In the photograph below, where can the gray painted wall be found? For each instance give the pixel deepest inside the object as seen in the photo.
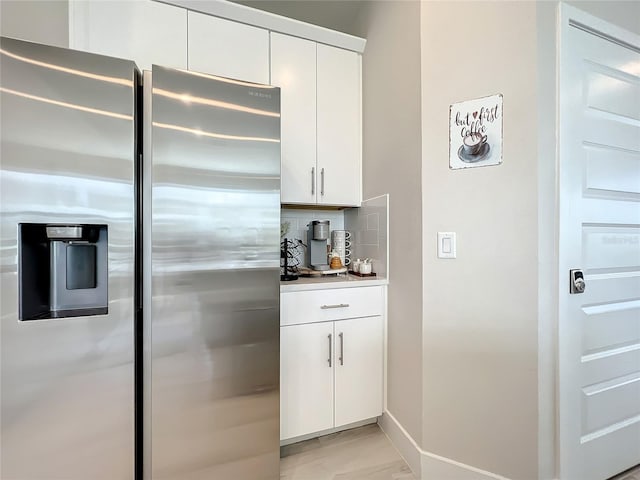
(392, 164)
(37, 21)
(480, 310)
(489, 352)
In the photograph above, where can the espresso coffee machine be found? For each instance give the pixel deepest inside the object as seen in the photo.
(317, 245)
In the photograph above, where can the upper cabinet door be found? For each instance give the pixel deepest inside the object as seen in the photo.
(293, 69)
(143, 31)
(339, 119)
(228, 49)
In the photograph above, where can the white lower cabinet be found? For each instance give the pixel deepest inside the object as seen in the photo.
(331, 371)
(358, 371)
(306, 379)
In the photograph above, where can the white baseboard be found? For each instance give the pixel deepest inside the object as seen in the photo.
(442, 468)
(403, 442)
(426, 465)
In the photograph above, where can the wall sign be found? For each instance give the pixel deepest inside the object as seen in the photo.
(475, 132)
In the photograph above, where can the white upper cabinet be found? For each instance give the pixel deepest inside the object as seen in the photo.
(320, 85)
(339, 118)
(143, 31)
(228, 49)
(321, 116)
(293, 69)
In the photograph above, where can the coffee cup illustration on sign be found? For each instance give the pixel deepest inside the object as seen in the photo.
(473, 144)
(474, 147)
(475, 132)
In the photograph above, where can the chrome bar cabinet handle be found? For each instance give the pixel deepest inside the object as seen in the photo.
(341, 348)
(322, 182)
(313, 180)
(338, 305)
(329, 359)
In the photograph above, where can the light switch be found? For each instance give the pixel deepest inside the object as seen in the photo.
(446, 245)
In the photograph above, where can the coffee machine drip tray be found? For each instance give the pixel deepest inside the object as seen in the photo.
(321, 267)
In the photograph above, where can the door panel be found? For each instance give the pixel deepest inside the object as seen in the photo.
(607, 246)
(612, 170)
(339, 118)
(144, 31)
(67, 157)
(293, 69)
(214, 309)
(228, 49)
(623, 392)
(611, 91)
(306, 378)
(599, 222)
(358, 369)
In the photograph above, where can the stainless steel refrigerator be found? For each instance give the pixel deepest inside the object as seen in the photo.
(139, 267)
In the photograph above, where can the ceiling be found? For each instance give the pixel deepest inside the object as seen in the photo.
(340, 15)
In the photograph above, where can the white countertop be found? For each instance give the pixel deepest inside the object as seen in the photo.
(330, 281)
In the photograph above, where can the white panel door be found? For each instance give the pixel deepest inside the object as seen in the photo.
(228, 49)
(359, 366)
(306, 379)
(339, 118)
(599, 222)
(293, 69)
(143, 31)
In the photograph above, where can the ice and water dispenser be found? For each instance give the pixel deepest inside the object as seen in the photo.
(63, 270)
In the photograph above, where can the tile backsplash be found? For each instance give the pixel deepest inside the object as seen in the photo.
(369, 232)
(368, 226)
(298, 220)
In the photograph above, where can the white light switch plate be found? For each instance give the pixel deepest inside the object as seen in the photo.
(446, 244)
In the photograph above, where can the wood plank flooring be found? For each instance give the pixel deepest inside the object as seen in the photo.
(363, 453)
(633, 474)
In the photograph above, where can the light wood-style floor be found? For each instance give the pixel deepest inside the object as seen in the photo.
(363, 453)
(633, 474)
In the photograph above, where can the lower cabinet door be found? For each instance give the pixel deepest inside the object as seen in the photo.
(359, 366)
(306, 378)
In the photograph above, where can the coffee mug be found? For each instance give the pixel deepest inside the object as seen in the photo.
(473, 143)
(341, 234)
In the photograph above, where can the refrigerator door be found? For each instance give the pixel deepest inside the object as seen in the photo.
(67, 150)
(215, 194)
